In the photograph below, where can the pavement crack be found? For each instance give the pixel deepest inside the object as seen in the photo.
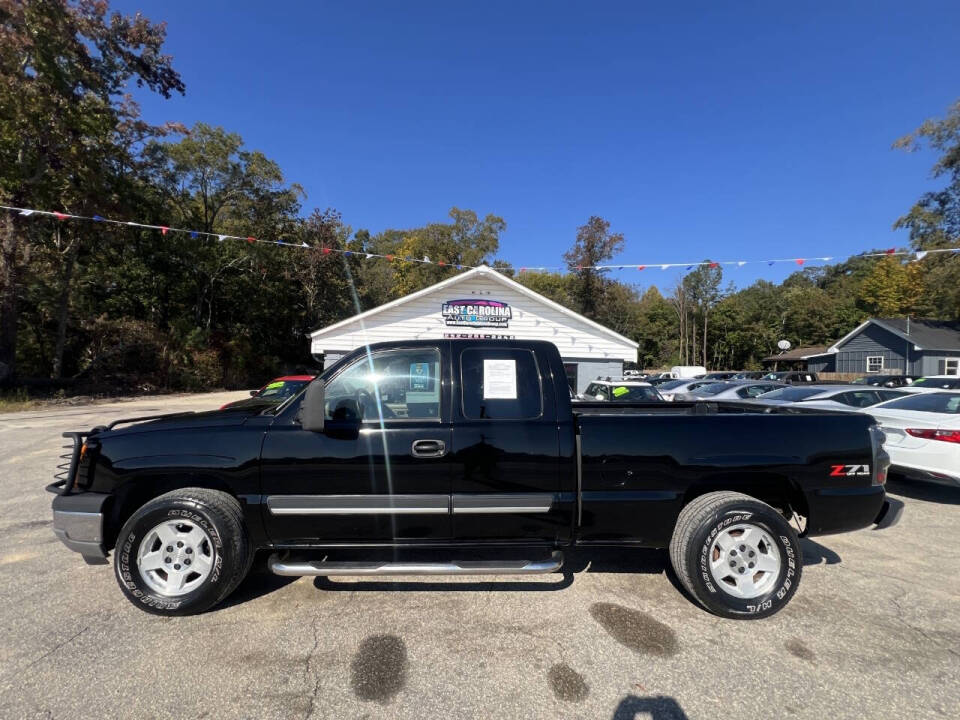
(49, 652)
(900, 616)
(306, 669)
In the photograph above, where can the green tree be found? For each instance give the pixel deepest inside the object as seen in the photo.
(595, 245)
(892, 289)
(63, 68)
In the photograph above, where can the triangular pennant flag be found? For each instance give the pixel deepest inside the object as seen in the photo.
(523, 269)
(426, 259)
(251, 240)
(26, 213)
(193, 234)
(741, 263)
(441, 263)
(459, 267)
(689, 267)
(799, 261)
(826, 259)
(713, 264)
(921, 254)
(771, 262)
(389, 258)
(347, 253)
(164, 229)
(60, 216)
(641, 267)
(325, 251)
(221, 237)
(369, 255)
(664, 267)
(97, 218)
(891, 251)
(303, 244)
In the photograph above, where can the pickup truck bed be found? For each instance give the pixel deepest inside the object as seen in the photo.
(467, 445)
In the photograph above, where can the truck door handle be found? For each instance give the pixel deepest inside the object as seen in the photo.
(428, 448)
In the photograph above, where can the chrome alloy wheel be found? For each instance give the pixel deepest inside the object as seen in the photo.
(744, 561)
(175, 557)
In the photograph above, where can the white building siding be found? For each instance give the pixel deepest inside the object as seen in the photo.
(533, 318)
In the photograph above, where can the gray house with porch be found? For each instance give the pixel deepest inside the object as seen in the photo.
(894, 346)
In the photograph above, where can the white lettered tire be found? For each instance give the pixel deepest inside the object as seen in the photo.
(183, 552)
(736, 555)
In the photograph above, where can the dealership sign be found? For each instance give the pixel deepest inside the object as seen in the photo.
(476, 313)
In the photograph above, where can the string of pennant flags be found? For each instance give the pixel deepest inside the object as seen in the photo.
(221, 237)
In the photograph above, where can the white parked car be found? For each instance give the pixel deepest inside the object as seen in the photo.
(620, 391)
(922, 435)
(688, 371)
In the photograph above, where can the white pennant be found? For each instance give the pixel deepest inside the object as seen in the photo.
(26, 213)
(921, 254)
(221, 237)
(664, 267)
(369, 255)
(741, 263)
(303, 244)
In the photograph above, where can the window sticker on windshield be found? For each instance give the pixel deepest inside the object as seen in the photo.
(620, 391)
(274, 385)
(499, 379)
(419, 376)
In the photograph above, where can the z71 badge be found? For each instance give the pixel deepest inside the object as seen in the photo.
(848, 470)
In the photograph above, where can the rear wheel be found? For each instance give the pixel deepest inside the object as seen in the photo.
(736, 555)
(183, 552)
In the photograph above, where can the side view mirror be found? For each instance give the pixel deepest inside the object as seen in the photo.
(253, 393)
(313, 408)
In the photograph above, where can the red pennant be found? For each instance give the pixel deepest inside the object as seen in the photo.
(641, 267)
(523, 269)
(326, 251)
(441, 263)
(390, 258)
(164, 229)
(799, 261)
(251, 240)
(60, 216)
(891, 251)
(713, 265)
(579, 267)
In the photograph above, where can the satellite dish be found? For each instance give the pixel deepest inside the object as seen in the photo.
(784, 344)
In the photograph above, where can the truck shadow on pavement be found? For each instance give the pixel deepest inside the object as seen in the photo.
(920, 490)
(656, 707)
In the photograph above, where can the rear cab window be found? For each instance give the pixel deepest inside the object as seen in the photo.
(500, 384)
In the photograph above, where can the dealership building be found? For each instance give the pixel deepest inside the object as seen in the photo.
(483, 303)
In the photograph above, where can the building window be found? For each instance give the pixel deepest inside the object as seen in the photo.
(875, 363)
(951, 366)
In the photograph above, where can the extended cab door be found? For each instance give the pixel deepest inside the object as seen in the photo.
(387, 481)
(506, 458)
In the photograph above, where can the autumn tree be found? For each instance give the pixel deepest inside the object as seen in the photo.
(892, 289)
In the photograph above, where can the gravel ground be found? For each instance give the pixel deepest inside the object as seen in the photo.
(874, 630)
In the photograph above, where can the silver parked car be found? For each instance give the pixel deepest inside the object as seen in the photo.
(830, 397)
(670, 389)
(732, 390)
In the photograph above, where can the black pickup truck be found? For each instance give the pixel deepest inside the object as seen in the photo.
(471, 450)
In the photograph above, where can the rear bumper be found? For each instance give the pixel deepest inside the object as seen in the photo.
(78, 523)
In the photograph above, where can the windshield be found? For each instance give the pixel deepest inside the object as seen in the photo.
(282, 389)
(945, 383)
(713, 388)
(928, 402)
(633, 393)
(671, 384)
(792, 394)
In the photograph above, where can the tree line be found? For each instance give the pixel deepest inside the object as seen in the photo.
(94, 306)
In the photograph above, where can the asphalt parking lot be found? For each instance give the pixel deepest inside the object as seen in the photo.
(874, 630)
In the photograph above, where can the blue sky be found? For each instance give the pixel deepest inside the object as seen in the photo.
(723, 130)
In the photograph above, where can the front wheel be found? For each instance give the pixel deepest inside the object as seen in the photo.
(183, 552)
(736, 555)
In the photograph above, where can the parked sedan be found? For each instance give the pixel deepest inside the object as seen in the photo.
(922, 435)
(722, 375)
(792, 376)
(620, 391)
(830, 397)
(274, 392)
(936, 382)
(748, 375)
(669, 390)
(886, 380)
(732, 390)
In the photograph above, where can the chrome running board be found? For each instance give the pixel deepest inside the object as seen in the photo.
(298, 568)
